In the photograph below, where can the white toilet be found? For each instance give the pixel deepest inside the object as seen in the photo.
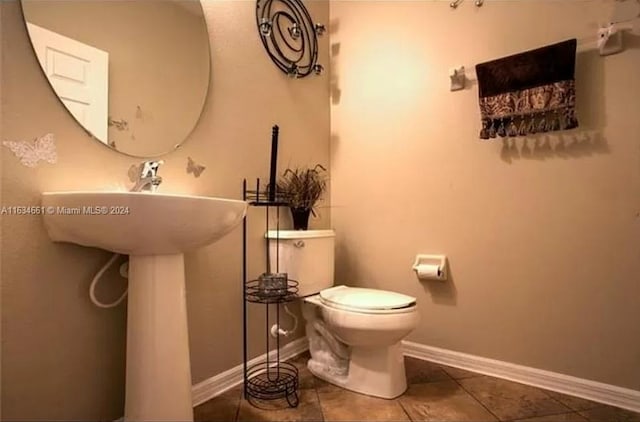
(354, 333)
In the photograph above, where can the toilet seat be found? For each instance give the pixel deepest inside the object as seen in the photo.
(369, 301)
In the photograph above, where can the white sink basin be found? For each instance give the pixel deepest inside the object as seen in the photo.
(137, 223)
(155, 230)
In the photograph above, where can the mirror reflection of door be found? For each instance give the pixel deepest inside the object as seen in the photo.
(158, 67)
(79, 73)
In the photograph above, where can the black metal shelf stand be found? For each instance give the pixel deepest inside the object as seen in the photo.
(271, 379)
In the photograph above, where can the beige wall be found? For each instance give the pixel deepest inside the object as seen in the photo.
(63, 358)
(1, 134)
(543, 240)
(150, 44)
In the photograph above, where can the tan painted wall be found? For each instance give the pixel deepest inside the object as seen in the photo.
(1, 133)
(150, 44)
(543, 240)
(62, 357)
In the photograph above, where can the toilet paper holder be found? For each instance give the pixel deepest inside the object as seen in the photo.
(430, 267)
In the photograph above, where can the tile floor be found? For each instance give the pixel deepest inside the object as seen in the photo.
(436, 393)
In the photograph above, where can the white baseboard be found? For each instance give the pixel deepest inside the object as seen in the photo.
(579, 387)
(218, 384)
(590, 390)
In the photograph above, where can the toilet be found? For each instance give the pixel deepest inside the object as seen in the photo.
(354, 333)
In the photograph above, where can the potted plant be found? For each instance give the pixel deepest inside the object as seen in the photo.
(301, 188)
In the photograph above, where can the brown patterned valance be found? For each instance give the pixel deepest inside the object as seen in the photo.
(529, 92)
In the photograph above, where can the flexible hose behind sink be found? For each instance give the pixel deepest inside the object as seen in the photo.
(276, 330)
(124, 269)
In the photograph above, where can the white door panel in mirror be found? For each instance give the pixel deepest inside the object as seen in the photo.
(79, 74)
(155, 51)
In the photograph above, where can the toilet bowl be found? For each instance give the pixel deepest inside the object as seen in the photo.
(372, 332)
(354, 333)
(364, 324)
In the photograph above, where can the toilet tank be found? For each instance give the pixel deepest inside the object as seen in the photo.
(307, 256)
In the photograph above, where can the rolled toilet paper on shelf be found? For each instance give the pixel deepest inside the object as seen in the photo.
(428, 271)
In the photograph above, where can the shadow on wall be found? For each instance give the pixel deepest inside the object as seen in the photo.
(334, 145)
(349, 274)
(442, 292)
(574, 145)
(631, 41)
(584, 141)
(334, 86)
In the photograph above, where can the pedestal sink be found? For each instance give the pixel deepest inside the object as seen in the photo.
(155, 230)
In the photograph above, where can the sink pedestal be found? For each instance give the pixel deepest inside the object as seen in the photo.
(154, 229)
(158, 386)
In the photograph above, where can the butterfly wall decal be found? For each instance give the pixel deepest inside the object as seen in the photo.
(193, 168)
(31, 152)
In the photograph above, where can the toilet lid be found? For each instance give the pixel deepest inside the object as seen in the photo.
(365, 299)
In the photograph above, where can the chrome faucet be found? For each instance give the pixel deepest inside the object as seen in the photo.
(148, 179)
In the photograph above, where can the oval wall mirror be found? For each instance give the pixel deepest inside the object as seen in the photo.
(133, 73)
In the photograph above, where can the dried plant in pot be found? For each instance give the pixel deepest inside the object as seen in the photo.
(302, 188)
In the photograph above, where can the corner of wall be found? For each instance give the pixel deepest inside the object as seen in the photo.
(1, 120)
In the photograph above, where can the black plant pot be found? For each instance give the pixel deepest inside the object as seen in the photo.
(300, 218)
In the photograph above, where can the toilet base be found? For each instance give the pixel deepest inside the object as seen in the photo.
(374, 371)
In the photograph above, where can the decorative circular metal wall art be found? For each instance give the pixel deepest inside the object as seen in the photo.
(289, 36)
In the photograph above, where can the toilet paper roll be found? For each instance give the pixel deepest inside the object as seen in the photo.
(428, 271)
